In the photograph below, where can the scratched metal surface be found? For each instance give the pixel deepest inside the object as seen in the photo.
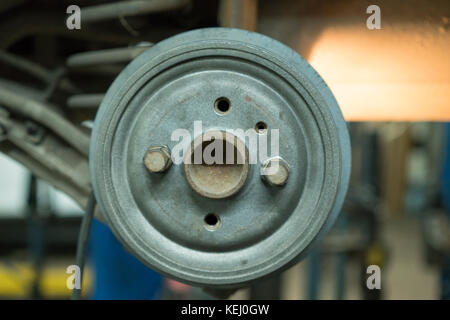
(159, 218)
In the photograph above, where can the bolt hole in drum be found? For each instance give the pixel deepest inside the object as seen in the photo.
(199, 221)
(261, 127)
(212, 221)
(222, 105)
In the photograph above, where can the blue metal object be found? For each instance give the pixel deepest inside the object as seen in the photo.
(341, 258)
(313, 274)
(117, 274)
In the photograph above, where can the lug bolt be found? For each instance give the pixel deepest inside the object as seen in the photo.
(157, 159)
(275, 172)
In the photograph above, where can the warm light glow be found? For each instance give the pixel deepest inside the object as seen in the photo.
(393, 74)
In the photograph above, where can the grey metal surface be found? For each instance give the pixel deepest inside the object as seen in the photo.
(263, 229)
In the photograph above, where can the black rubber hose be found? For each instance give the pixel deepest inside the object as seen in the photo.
(82, 242)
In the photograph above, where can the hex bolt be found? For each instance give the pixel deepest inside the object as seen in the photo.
(157, 159)
(275, 172)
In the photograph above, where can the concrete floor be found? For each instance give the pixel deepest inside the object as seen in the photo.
(407, 274)
(404, 276)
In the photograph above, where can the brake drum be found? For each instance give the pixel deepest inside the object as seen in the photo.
(218, 225)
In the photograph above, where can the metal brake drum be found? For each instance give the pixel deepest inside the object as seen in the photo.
(219, 225)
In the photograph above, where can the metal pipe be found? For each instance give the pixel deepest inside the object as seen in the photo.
(21, 89)
(25, 65)
(128, 8)
(85, 100)
(43, 114)
(30, 23)
(108, 56)
(59, 182)
(57, 158)
(37, 71)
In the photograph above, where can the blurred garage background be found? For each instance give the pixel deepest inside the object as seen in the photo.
(393, 86)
